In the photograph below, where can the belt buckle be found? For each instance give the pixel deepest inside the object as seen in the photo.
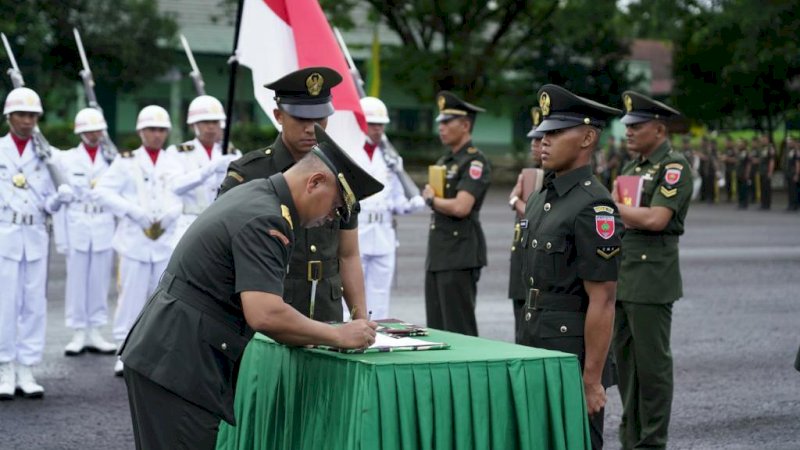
(533, 299)
(314, 270)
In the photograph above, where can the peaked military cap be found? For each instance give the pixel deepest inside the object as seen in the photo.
(451, 107)
(536, 119)
(641, 108)
(306, 93)
(563, 109)
(354, 182)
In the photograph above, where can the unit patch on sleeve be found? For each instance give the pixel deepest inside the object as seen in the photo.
(475, 170)
(604, 225)
(672, 176)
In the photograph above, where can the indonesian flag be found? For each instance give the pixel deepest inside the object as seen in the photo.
(277, 37)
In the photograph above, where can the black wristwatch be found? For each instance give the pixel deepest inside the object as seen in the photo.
(429, 202)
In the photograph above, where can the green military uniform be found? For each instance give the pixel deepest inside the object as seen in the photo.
(570, 234)
(649, 283)
(766, 156)
(316, 250)
(457, 246)
(516, 288)
(730, 172)
(182, 354)
(744, 177)
(314, 247)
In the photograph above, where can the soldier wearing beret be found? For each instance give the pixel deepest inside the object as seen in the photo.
(650, 278)
(571, 244)
(517, 199)
(225, 281)
(326, 265)
(456, 244)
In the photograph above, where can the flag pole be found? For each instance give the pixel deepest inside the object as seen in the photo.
(234, 62)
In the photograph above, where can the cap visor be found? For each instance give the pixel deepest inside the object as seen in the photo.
(556, 124)
(632, 119)
(446, 117)
(308, 111)
(533, 134)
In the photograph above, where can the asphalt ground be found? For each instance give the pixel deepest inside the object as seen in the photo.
(735, 336)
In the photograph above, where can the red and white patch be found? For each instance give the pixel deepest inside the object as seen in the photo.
(475, 170)
(671, 176)
(604, 225)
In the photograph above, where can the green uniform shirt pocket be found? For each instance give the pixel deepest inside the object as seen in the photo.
(563, 331)
(649, 274)
(222, 338)
(550, 261)
(337, 288)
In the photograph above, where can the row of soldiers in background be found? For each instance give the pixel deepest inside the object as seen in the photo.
(742, 170)
(136, 203)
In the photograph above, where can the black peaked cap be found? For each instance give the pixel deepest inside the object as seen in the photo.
(563, 109)
(354, 182)
(306, 93)
(450, 107)
(641, 108)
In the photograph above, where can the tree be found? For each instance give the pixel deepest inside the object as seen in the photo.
(740, 58)
(128, 43)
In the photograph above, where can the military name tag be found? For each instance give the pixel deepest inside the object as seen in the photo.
(523, 224)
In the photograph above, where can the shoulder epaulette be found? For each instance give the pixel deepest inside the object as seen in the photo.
(185, 147)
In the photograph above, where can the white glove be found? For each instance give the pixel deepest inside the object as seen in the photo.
(416, 203)
(168, 218)
(65, 194)
(219, 165)
(141, 218)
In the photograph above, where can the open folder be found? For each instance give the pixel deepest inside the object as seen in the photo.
(387, 343)
(436, 177)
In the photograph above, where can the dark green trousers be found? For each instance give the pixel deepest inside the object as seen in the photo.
(165, 421)
(797, 361)
(519, 305)
(450, 300)
(644, 364)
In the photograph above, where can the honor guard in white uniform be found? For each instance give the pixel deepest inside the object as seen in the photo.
(137, 188)
(201, 159)
(27, 196)
(377, 240)
(88, 229)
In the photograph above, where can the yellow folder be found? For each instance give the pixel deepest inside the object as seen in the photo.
(436, 179)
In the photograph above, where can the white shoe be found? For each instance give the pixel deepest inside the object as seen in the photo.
(118, 368)
(77, 345)
(96, 343)
(27, 384)
(7, 381)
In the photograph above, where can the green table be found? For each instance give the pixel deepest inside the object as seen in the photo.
(479, 394)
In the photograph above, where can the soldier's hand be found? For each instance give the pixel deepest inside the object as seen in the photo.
(595, 397)
(517, 191)
(427, 192)
(615, 193)
(356, 334)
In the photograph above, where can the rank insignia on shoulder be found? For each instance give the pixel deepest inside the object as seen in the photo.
(523, 224)
(668, 192)
(604, 209)
(280, 236)
(235, 176)
(287, 215)
(185, 147)
(608, 252)
(472, 150)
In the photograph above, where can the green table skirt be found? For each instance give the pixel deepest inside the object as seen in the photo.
(479, 394)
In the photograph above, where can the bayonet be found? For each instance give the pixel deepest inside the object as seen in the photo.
(13, 72)
(197, 77)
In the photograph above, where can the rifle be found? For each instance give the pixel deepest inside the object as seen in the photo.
(41, 147)
(197, 77)
(390, 155)
(107, 147)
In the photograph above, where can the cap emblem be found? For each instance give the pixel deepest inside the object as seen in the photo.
(536, 115)
(441, 102)
(314, 84)
(628, 103)
(544, 103)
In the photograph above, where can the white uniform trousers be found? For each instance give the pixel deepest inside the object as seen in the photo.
(88, 282)
(378, 274)
(23, 310)
(138, 280)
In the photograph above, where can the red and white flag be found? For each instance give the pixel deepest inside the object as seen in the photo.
(277, 37)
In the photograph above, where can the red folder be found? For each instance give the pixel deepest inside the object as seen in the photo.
(629, 189)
